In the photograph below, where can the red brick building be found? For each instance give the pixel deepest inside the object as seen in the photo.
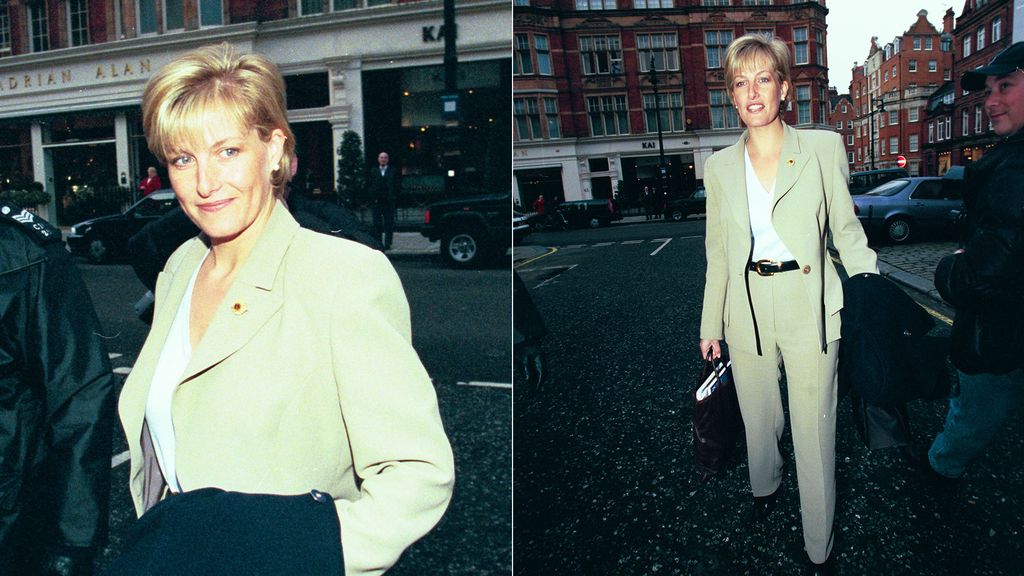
(843, 116)
(585, 111)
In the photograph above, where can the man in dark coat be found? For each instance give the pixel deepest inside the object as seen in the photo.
(56, 406)
(384, 187)
(984, 280)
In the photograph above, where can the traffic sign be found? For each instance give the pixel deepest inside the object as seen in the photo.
(901, 161)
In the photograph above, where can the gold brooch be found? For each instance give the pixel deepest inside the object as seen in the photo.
(239, 308)
(790, 162)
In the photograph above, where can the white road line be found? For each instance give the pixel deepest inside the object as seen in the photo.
(555, 276)
(664, 242)
(486, 384)
(632, 241)
(575, 246)
(604, 244)
(113, 355)
(119, 459)
(123, 370)
(690, 237)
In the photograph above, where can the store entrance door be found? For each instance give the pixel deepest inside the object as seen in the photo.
(84, 179)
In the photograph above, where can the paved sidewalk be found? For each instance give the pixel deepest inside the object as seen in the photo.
(913, 265)
(408, 244)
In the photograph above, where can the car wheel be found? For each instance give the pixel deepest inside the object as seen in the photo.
(99, 250)
(898, 230)
(677, 215)
(463, 248)
(595, 222)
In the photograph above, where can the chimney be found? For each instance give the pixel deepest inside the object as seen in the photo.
(947, 21)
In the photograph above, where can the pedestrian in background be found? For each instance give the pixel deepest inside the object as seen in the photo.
(151, 183)
(384, 189)
(771, 289)
(57, 408)
(279, 363)
(984, 280)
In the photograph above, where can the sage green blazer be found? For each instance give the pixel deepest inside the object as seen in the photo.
(811, 200)
(306, 378)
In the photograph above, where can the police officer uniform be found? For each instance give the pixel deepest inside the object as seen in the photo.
(56, 406)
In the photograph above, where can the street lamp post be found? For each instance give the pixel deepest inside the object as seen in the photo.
(653, 73)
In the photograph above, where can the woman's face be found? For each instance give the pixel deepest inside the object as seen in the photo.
(221, 177)
(758, 94)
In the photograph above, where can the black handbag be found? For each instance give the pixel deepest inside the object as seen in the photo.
(716, 417)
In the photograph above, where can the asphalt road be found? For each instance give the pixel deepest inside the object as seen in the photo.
(462, 332)
(605, 481)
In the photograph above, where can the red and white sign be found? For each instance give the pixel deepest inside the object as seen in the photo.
(901, 161)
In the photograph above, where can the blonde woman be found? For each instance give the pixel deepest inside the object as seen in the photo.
(771, 290)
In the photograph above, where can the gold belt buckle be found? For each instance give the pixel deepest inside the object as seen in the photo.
(757, 267)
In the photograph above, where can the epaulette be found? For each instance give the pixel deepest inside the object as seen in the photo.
(40, 230)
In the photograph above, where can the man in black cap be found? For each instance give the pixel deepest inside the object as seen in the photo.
(984, 280)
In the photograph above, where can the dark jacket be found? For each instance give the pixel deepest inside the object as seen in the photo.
(985, 283)
(56, 396)
(383, 189)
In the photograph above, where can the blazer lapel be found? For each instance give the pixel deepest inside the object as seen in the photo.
(791, 163)
(251, 300)
(734, 183)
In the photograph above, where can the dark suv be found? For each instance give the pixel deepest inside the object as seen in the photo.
(472, 230)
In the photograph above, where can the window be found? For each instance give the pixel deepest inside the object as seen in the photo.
(917, 43)
(997, 29)
(601, 54)
(595, 4)
(803, 104)
(894, 145)
(671, 105)
(819, 48)
(722, 114)
(607, 115)
(977, 119)
(757, 2)
(518, 3)
(912, 115)
(652, 3)
(839, 124)
(946, 74)
(948, 129)
(662, 47)
(849, 157)
(881, 148)
(534, 122)
(849, 139)
(5, 29)
(965, 122)
(78, 22)
(715, 42)
(551, 117)
(211, 13)
(307, 7)
(714, 2)
(174, 14)
(894, 71)
(967, 47)
(886, 76)
(849, 124)
(894, 117)
(844, 108)
(821, 103)
(913, 66)
(523, 61)
(981, 38)
(146, 9)
(800, 46)
(933, 66)
(39, 27)
(928, 43)
(912, 145)
(931, 132)
(540, 44)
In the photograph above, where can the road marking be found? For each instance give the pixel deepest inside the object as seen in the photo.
(942, 317)
(604, 244)
(119, 459)
(123, 370)
(690, 237)
(113, 355)
(555, 276)
(575, 246)
(632, 241)
(548, 253)
(486, 384)
(664, 242)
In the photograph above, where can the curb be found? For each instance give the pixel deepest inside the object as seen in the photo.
(908, 280)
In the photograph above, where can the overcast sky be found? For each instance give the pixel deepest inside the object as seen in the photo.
(852, 23)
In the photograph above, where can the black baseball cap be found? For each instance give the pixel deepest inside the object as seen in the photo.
(1007, 61)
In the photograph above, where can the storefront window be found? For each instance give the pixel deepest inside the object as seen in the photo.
(210, 13)
(346, 4)
(174, 15)
(311, 7)
(146, 9)
(307, 91)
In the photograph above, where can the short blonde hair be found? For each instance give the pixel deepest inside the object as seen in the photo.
(247, 87)
(746, 51)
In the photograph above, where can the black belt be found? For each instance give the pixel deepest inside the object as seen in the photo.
(770, 267)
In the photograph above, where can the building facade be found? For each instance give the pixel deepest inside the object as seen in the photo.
(957, 126)
(586, 108)
(843, 117)
(890, 93)
(72, 74)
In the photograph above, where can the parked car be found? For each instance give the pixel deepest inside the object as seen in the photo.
(861, 182)
(106, 237)
(472, 230)
(903, 208)
(583, 213)
(681, 208)
(521, 226)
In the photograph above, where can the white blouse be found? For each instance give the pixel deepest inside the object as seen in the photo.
(174, 359)
(767, 244)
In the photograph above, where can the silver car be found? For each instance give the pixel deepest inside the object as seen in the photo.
(906, 208)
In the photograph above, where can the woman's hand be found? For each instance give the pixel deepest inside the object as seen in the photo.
(714, 347)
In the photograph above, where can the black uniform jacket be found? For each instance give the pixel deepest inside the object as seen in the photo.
(56, 394)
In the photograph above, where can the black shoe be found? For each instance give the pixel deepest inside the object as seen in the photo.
(763, 505)
(827, 568)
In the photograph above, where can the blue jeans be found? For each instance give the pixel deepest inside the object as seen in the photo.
(974, 419)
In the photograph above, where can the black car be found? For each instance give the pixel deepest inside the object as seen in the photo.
(681, 208)
(106, 237)
(582, 213)
(472, 230)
